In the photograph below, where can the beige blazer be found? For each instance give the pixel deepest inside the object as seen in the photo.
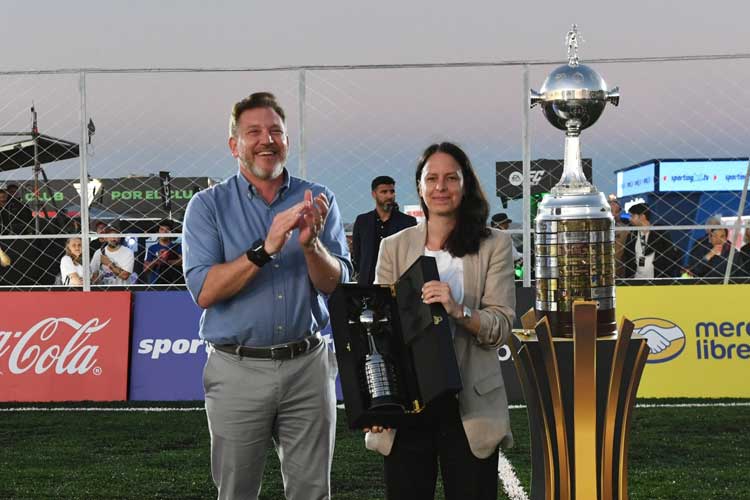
(488, 287)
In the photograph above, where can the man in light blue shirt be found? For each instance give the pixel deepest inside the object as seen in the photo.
(262, 250)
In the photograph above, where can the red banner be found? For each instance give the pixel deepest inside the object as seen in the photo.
(64, 346)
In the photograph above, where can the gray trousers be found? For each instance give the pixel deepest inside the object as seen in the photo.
(251, 403)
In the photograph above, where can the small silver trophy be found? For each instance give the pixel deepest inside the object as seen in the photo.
(379, 373)
(574, 227)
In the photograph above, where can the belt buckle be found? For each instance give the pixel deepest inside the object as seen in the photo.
(279, 349)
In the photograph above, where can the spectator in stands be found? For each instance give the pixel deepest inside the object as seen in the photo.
(18, 216)
(621, 237)
(714, 263)
(5, 213)
(113, 264)
(744, 255)
(371, 227)
(648, 253)
(5, 259)
(71, 265)
(502, 222)
(702, 246)
(164, 258)
(101, 228)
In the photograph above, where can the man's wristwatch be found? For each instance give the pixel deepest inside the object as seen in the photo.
(466, 315)
(257, 254)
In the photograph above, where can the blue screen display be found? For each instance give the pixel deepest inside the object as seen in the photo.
(719, 175)
(636, 180)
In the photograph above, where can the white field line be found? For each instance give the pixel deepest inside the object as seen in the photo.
(511, 484)
(146, 409)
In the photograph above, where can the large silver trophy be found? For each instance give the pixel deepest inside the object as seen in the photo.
(380, 375)
(574, 237)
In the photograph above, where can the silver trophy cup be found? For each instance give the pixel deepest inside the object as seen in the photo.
(380, 374)
(574, 228)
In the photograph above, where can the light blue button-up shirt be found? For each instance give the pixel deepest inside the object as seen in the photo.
(280, 304)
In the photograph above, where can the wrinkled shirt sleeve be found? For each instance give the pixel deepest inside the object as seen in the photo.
(334, 238)
(202, 247)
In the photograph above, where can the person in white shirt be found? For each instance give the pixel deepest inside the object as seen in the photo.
(648, 253)
(71, 266)
(113, 264)
(459, 432)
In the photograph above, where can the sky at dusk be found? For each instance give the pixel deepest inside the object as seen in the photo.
(366, 122)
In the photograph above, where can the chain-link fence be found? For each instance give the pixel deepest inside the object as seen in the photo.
(121, 152)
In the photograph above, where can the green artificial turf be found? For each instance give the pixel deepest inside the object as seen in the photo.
(675, 453)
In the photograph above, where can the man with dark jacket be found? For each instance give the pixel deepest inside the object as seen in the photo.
(371, 227)
(648, 254)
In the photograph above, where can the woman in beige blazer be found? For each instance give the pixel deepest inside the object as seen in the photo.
(477, 290)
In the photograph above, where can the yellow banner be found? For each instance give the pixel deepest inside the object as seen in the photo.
(698, 335)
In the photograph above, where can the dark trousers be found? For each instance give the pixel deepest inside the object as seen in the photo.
(438, 439)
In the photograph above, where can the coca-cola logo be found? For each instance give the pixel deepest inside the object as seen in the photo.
(41, 348)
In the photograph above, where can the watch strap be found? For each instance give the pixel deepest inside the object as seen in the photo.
(257, 254)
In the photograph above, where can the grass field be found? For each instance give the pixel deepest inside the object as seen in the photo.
(676, 452)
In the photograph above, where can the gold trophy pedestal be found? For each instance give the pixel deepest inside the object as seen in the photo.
(580, 394)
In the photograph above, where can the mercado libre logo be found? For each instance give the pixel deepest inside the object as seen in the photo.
(665, 339)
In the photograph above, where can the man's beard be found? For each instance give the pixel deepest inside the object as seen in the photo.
(388, 206)
(262, 174)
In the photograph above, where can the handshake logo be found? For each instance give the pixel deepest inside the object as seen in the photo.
(665, 339)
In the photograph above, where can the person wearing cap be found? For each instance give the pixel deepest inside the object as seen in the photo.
(502, 222)
(164, 258)
(113, 263)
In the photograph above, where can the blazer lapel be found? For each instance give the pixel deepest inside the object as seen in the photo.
(416, 244)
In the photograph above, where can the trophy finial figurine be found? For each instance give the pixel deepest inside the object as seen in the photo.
(571, 40)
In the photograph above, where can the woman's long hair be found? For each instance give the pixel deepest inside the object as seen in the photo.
(471, 219)
(76, 260)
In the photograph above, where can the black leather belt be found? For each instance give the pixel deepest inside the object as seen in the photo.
(277, 352)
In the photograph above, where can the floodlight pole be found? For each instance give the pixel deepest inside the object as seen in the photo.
(37, 166)
(84, 191)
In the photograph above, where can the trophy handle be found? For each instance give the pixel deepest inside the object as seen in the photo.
(613, 96)
(534, 98)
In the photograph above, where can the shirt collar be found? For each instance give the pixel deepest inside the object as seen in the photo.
(247, 186)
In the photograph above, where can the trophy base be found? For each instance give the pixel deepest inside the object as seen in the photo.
(384, 403)
(561, 322)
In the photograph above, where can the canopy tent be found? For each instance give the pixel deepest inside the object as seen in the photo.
(22, 154)
(34, 152)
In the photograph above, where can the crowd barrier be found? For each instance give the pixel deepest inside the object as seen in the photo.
(144, 346)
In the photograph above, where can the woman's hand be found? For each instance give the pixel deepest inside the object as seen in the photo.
(440, 292)
(376, 429)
